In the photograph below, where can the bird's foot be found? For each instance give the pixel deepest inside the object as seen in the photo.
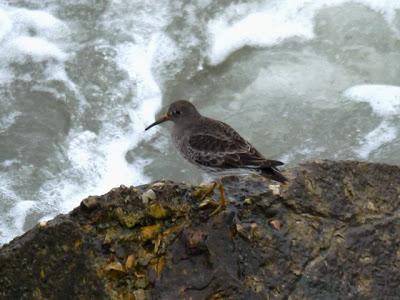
(207, 202)
(219, 209)
(204, 191)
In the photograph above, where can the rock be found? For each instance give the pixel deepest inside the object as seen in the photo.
(332, 232)
(247, 201)
(275, 188)
(150, 232)
(89, 203)
(42, 224)
(130, 262)
(115, 266)
(140, 294)
(148, 196)
(158, 185)
(128, 218)
(276, 224)
(49, 263)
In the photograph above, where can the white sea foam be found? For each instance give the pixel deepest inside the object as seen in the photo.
(385, 103)
(30, 34)
(381, 135)
(99, 160)
(8, 120)
(13, 222)
(38, 23)
(25, 36)
(37, 48)
(383, 99)
(8, 226)
(19, 212)
(5, 24)
(7, 163)
(97, 164)
(262, 25)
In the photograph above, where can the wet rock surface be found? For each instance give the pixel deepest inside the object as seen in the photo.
(333, 232)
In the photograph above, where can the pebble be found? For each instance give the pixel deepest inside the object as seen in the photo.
(248, 201)
(149, 195)
(89, 203)
(158, 185)
(140, 294)
(275, 188)
(42, 223)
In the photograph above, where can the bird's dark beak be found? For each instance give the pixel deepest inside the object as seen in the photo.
(159, 121)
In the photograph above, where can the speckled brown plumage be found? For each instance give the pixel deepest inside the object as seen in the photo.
(214, 146)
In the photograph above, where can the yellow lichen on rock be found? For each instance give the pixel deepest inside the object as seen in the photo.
(130, 262)
(115, 267)
(150, 232)
(127, 219)
(157, 211)
(158, 265)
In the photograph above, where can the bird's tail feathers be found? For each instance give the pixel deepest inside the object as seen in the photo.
(273, 174)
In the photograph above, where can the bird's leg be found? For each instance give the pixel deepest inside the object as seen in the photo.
(222, 200)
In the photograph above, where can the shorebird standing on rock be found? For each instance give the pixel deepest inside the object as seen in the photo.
(215, 147)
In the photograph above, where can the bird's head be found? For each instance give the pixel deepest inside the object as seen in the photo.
(178, 111)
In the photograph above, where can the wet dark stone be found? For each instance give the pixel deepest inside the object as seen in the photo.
(333, 232)
(49, 262)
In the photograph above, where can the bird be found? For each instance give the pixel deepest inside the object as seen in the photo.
(215, 147)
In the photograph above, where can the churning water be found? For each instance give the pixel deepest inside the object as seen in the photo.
(80, 80)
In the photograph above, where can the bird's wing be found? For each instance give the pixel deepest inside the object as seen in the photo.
(226, 150)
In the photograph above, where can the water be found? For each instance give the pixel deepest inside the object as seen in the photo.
(80, 80)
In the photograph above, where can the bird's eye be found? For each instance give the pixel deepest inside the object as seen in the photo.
(177, 112)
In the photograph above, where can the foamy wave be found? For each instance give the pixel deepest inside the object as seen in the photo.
(10, 222)
(385, 103)
(383, 99)
(25, 36)
(92, 161)
(36, 48)
(13, 222)
(98, 161)
(7, 120)
(30, 34)
(37, 22)
(5, 24)
(274, 22)
(97, 164)
(381, 135)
